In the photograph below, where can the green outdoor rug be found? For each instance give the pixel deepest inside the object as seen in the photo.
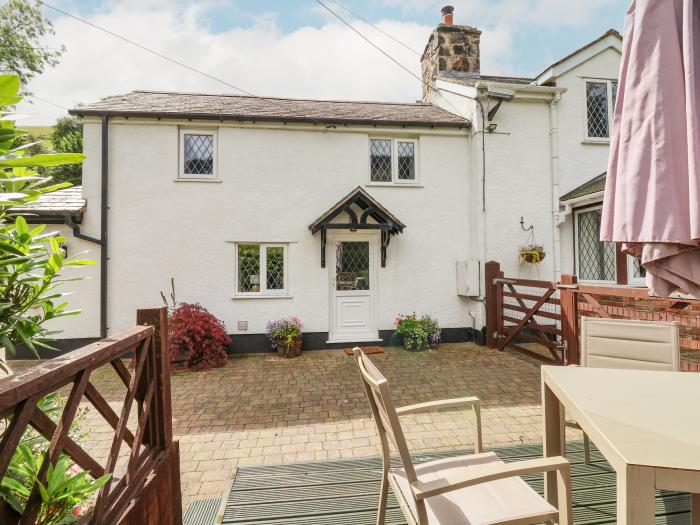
(345, 492)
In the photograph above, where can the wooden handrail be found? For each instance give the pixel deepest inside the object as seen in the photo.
(152, 451)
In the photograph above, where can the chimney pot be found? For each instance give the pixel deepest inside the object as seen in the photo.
(447, 15)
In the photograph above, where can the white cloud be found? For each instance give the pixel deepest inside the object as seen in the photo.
(313, 62)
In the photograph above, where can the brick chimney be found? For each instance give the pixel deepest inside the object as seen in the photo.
(452, 50)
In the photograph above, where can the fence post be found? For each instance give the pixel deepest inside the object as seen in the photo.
(492, 270)
(158, 318)
(569, 319)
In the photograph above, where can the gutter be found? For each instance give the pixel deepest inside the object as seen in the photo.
(269, 118)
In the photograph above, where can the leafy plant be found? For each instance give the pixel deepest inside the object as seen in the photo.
(198, 337)
(284, 330)
(432, 328)
(23, 30)
(418, 334)
(31, 260)
(67, 137)
(63, 491)
(532, 253)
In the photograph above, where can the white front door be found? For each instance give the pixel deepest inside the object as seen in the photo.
(353, 273)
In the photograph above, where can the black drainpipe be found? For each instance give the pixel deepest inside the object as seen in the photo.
(103, 224)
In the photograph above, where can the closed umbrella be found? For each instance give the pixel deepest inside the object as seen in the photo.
(652, 192)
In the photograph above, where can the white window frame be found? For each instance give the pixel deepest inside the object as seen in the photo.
(193, 176)
(631, 279)
(577, 251)
(395, 181)
(609, 82)
(264, 292)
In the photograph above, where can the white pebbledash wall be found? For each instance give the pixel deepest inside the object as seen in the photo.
(274, 181)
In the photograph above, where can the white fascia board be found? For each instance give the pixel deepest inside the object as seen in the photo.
(583, 200)
(579, 58)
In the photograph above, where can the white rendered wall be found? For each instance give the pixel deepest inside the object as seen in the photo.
(274, 183)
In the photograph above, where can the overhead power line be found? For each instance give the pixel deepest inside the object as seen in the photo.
(376, 27)
(47, 101)
(387, 55)
(172, 60)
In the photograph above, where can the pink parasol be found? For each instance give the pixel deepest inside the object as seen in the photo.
(652, 193)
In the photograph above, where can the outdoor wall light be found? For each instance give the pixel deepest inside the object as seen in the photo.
(491, 127)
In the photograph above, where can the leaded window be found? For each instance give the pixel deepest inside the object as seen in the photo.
(596, 260)
(198, 154)
(601, 96)
(352, 265)
(380, 160)
(261, 269)
(393, 160)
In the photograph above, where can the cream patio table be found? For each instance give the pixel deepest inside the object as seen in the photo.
(645, 423)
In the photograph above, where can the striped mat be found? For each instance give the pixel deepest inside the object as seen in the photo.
(345, 492)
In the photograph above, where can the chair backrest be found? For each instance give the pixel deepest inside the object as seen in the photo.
(385, 416)
(624, 343)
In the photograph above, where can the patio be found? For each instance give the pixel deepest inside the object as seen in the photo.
(259, 409)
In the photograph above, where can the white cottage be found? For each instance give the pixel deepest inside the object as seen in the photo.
(345, 213)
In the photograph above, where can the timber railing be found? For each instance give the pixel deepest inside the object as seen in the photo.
(144, 484)
(522, 311)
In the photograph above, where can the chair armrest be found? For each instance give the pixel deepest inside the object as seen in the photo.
(442, 403)
(490, 472)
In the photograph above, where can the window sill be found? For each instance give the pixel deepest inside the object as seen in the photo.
(395, 184)
(596, 141)
(260, 296)
(195, 179)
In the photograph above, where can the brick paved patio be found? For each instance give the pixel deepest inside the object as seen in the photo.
(261, 409)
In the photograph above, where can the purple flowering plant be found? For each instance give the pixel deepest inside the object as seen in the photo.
(283, 329)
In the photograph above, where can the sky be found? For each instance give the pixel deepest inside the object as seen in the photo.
(294, 48)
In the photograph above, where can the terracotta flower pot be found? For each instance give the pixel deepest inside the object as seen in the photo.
(294, 349)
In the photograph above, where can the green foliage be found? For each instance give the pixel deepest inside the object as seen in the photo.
(67, 137)
(63, 491)
(65, 487)
(23, 29)
(31, 260)
(418, 334)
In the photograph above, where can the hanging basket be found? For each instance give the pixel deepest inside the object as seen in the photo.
(532, 256)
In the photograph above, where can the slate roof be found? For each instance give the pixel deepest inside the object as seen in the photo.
(160, 104)
(594, 185)
(58, 203)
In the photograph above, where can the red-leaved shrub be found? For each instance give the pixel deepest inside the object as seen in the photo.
(197, 337)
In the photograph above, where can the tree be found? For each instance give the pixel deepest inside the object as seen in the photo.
(22, 50)
(31, 260)
(67, 137)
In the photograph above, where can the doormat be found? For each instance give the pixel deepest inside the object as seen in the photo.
(366, 349)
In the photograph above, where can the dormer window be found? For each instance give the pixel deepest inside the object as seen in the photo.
(393, 160)
(600, 102)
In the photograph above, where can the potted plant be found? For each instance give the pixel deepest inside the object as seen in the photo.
(432, 328)
(532, 253)
(198, 340)
(285, 336)
(410, 328)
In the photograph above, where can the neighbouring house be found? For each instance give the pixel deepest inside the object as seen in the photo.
(348, 213)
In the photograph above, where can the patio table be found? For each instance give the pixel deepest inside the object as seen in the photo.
(645, 423)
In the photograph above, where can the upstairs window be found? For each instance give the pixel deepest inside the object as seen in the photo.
(197, 154)
(600, 102)
(261, 269)
(393, 161)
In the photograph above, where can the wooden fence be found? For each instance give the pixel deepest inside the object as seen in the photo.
(144, 487)
(522, 311)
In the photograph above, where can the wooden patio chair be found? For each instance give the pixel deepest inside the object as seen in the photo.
(473, 489)
(626, 343)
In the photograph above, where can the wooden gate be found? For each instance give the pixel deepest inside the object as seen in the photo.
(144, 487)
(524, 312)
